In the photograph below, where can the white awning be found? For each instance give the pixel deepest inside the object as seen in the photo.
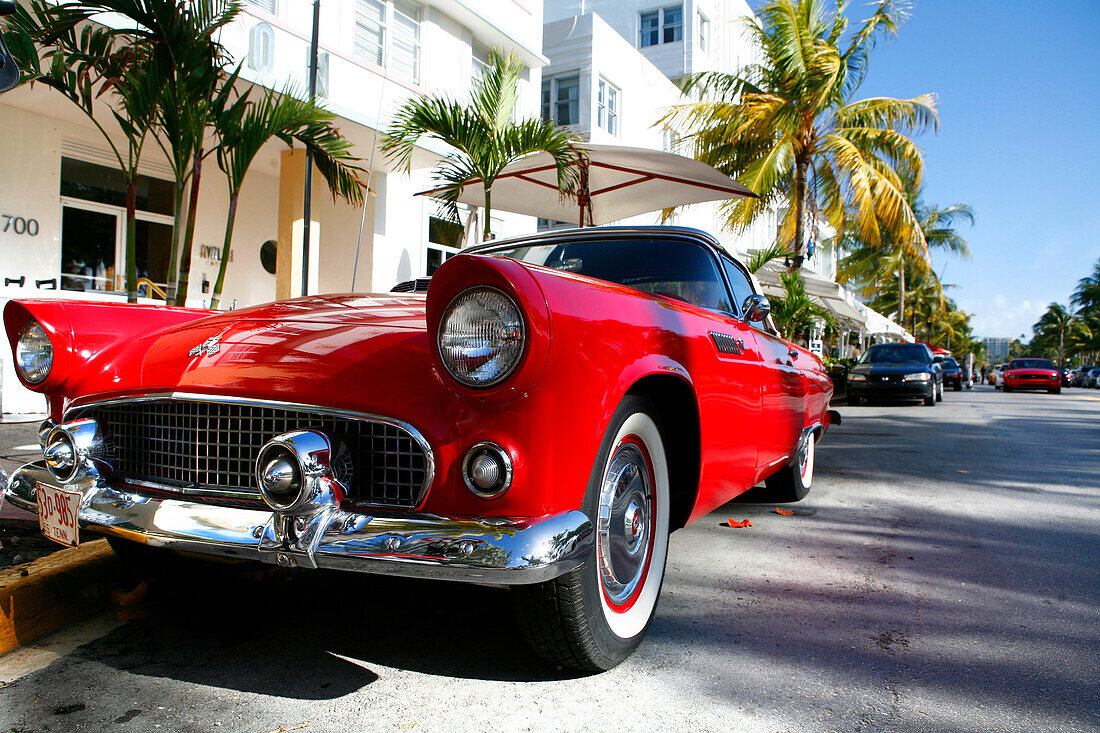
(836, 299)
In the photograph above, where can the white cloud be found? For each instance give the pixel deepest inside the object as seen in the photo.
(1002, 316)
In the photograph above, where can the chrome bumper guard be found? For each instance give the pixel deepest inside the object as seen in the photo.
(471, 549)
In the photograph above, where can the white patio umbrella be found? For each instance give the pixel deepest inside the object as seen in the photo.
(616, 182)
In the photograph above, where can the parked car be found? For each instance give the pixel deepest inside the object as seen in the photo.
(996, 376)
(1032, 374)
(952, 373)
(1081, 375)
(896, 371)
(541, 419)
(1092, 377)
(1064, 374)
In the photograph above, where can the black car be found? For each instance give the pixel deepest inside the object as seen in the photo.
(896, 371)
(952, 373)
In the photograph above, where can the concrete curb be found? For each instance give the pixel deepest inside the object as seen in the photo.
(63, 587)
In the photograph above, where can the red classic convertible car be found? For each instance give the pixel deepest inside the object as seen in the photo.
(542, 419)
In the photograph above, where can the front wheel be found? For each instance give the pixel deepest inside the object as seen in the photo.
(594, 617)
(939, 392)
(1056, 390)
(1006, 388)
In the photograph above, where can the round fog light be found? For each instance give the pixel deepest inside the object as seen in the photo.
(487, 470)
(60, 455)
(280, 477)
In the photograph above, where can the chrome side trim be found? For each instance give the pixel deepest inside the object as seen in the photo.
(497, 550)
(74, 409)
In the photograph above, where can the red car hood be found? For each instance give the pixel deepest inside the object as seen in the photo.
(344, 351)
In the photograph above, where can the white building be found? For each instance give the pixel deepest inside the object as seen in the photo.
(600, 83)
(61, 187)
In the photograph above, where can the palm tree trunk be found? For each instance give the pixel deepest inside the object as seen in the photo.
(189, 233)
(174, 256)
(901, 293)
(486, 233)
(131, 238)
(799, 214)
(225, 248)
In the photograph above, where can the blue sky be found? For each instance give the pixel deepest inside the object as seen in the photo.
(1019, 102)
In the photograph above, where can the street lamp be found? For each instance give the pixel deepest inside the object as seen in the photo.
(306, 209)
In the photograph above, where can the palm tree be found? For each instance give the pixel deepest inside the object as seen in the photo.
(761, 257)
(1087, 294)
(877, 265)
(160, 71)
(89, 67)
(246, 126)
(795, 311)
(483, 135)
(1055, 327)
(787, 127)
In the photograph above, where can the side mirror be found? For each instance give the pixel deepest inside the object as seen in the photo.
(756, 308)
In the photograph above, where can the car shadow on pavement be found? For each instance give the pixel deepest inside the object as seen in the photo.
(316, 635)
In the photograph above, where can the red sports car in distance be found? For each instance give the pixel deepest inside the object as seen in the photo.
(1032, 374)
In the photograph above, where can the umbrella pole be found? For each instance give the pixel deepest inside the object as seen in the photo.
(582, 192)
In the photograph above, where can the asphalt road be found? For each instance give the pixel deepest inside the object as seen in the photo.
(941, 576)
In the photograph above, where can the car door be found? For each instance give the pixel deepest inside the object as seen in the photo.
(726, 371)
(782, 384)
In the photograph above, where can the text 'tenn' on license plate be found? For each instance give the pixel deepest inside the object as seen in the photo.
(57, 514)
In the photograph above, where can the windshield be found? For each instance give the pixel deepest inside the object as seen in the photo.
(895, 354)
(1030, 364)
(950, 364)
(669, 267)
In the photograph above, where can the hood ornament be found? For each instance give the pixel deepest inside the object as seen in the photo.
(208, 347)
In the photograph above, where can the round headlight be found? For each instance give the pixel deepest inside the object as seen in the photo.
(481, 337)
(33, 353)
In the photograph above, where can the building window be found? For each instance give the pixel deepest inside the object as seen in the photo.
(480, 55)
(608, 107)
(661, 26)
(670, 141)
(444, 240)
(545, 225)
(561, 100)
(387, 34)
(268, 6)
(704, 32)
(93, 228)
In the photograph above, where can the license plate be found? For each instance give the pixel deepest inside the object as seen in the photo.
(57, 514)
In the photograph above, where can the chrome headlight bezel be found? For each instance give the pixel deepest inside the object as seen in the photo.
(508, 355)
(33, 344)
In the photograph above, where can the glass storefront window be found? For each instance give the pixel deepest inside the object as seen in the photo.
(91, 182)
(93, 229)
(88, 242)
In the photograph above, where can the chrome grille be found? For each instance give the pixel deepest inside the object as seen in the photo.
(209, 446)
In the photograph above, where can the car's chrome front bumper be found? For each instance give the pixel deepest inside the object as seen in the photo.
(472, 549)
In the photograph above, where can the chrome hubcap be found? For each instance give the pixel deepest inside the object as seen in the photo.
(624, 525)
